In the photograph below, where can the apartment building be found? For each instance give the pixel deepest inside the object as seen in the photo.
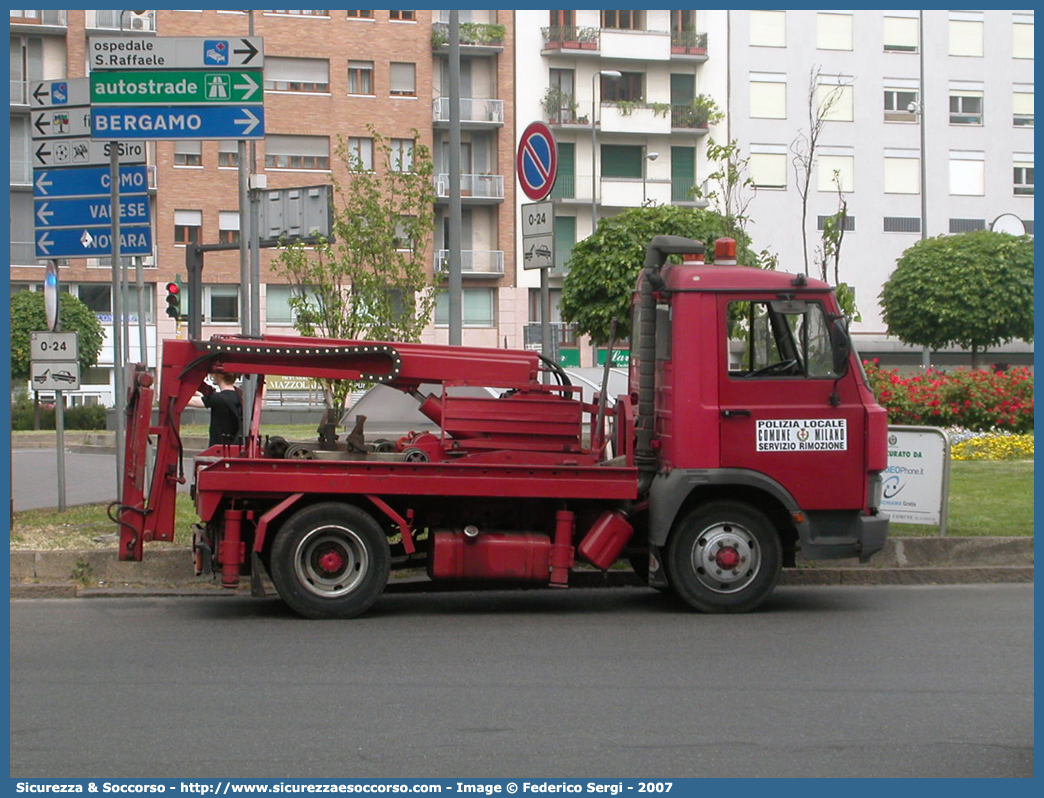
(626, 95)
(976, 105)
(328, 75)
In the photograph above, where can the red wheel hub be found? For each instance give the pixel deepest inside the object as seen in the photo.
(331, 561)
(727, 557)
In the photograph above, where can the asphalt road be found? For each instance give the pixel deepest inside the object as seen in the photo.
(844, 682)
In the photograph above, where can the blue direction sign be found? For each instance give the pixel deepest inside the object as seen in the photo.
(179, 122)
(92, 242)
(56, 213)
(537, 161)
(95, 181)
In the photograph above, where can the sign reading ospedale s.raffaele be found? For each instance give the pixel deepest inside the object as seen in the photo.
(175, 52)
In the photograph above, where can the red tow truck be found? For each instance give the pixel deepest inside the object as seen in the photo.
(749, 433)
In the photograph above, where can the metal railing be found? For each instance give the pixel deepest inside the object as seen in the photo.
(474, 109)
(485, 186)
(473, 262)
(571, 37)
(688, 42)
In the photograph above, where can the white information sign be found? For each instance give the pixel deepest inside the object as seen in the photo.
(917, 480)
(53, 346)
(47, 375)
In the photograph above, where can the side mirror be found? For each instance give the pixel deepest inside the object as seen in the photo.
(841, 343)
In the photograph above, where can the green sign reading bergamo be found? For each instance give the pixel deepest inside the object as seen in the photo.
(177, 87)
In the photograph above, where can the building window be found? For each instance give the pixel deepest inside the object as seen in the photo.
(833, 31)
(1022, 40)
(188, 227)
(97, 297)
(1024, 178)
(834, 101)
(836, 171)
(401, 156)
(299, 13)
(967, 174)
(965, 107)
(277, 302)
(900, 34)
(768, 96)
(768, 165)
(478, 306)
(297, 152)
(221, 304)
(966, 37)
(360, 77)
(626, 88)
(403, 80)
(899, 105)
(768, 28)
(403, 16)
(1022, 106)
(359, 15)
(622, 160)
(902, 172)
(623, 20)
(297, 74)
(188, 153)
(228, 227)
(228, 153)
(360, 154)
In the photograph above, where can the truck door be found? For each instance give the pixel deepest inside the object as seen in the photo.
(789, 408)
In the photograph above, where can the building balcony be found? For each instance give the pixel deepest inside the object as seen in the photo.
(476, 38)
(474, 189)
(571, 39)
(635, 45)
(688, 45)
(475, 113)
(39, 21)
(124, 21)
(636, 118)
(473, 263)
(632, 192)
(689, 118)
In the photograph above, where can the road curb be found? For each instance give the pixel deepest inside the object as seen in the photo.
(170, 571)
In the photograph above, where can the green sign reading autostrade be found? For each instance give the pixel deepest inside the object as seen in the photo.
(187, 87)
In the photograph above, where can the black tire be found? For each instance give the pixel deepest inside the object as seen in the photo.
(330, 560)
(724, 556)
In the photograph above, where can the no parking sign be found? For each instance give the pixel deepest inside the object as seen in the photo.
(537, 161)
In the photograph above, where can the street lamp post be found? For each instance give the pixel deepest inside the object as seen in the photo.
(649, 156)
(609, 73)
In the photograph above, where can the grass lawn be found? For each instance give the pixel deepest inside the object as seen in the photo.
(987, 498)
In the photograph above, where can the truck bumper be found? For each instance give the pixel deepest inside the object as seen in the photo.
(839, 536)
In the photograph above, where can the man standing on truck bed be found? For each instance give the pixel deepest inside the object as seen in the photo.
(226, 408)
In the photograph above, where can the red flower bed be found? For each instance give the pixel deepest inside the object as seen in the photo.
(977, 400)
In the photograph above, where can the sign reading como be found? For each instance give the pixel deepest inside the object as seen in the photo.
(537, 161)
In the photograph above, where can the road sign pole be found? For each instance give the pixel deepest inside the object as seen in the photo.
(59, 426)
(117, 313)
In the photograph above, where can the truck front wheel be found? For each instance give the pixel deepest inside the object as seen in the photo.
(330, 560)
(724, 556)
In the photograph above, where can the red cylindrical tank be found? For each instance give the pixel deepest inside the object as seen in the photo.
(494, 555)
(606, 539)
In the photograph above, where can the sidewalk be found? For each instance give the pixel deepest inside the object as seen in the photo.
(169, 571)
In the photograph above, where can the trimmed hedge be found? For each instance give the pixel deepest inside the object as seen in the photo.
(79, 417)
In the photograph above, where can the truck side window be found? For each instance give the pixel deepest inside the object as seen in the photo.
(776, 339)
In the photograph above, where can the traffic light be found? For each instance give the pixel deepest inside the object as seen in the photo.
(174, 300)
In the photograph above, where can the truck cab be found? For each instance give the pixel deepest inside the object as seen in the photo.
(764, 431)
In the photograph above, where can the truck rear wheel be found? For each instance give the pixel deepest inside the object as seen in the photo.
(724, 556)
(330, 560)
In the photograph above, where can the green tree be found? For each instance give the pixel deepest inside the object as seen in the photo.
(973, 290)
(604, 268)
(29, 315)
(372, 281)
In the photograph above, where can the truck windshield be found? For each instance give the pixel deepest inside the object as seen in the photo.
(780, 338)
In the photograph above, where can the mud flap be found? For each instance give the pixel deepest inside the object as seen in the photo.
(657, 573)
(257, 585)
